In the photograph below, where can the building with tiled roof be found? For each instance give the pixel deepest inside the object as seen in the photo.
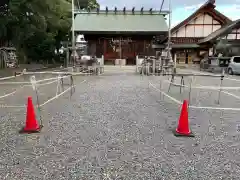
(121, 33)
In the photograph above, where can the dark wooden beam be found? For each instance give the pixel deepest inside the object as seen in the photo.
(202, 24)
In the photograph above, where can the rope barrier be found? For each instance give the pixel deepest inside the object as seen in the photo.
(7, 106)
(198, 75)
(35, 84)
(58, 79)
(10, 77)
(20, 88)
(55, 97)
(57, 73)
(204, 87)
(39, 81)
(191, 106)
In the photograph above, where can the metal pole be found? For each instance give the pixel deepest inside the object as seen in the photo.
(190, 91)
(169, 25)
(182, 84)
(170, 83)
(38, 107)
(220, 90)
(160, 88)
(67, 57)
(73, 34)
(154, 64)
(120, 51)
(169, 34)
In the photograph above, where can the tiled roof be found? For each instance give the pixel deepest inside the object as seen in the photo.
(208, 6)
(222, 31)
(121, 22)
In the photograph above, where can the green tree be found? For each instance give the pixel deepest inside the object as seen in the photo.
(92, 4)
(85, 4)
(37, 27)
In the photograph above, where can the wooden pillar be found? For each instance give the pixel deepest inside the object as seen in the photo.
(120, 48)
(104, 49)
(104, 46)
(186, 58)
(144, 46)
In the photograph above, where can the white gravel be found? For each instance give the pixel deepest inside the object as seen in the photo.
(116, 127)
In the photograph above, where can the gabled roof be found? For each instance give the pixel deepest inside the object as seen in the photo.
(127, 21)
(222, 31)
(209, 6)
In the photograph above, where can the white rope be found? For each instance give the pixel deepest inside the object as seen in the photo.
(10, 83)
(52, 72)
(214, 108)
(193, 107)
(165, 94)
(10, 77)
(45, 72)
(55, 78)
(205, 87)
(48, 101)
(57, 96)
(7, 106)
(20, 88)
(44, 84)
(11, 93)
(57, 73)
(39, 81)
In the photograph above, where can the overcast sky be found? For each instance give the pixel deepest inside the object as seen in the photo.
(181, 8)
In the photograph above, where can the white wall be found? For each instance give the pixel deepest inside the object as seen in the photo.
(200, 26)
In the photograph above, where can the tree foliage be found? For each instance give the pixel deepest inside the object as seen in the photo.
(223, 47)
(85, 4)
(36, 27)
(93, 4)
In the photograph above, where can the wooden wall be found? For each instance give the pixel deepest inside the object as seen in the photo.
(121, 47)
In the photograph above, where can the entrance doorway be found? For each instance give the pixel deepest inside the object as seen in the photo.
(119, 48)
(186, 58)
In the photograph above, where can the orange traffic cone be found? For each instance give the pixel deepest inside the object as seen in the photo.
(31, 125)
(183, 125)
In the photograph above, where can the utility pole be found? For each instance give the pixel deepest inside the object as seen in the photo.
(169, 37)
(169, 29)
(73, 33)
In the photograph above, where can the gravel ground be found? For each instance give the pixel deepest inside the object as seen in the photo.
(116, 127)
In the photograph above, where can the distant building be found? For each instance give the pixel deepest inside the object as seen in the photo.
(121, 34)
(229, 34)
(187, 35)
